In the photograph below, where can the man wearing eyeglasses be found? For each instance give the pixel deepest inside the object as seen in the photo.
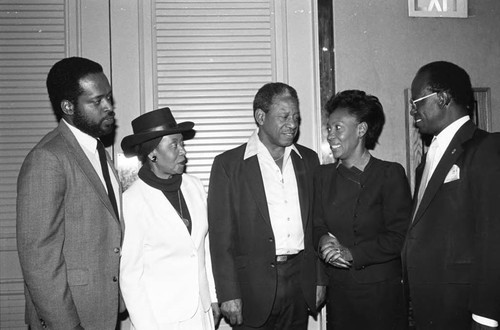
(451, 255)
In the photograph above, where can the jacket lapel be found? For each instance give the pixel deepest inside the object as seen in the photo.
(418, 177)
(302, 186)
(450, 156)
(88, 170)
(253, 176)
(197, 211)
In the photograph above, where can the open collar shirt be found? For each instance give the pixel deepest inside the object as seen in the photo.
(282, 196)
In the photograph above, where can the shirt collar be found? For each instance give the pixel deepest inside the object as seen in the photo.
(255, 146)
(85, 140)
(445, 136)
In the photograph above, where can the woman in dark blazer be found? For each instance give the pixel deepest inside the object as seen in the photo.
(361, 214)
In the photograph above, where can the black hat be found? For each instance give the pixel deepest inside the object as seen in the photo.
(151, 125)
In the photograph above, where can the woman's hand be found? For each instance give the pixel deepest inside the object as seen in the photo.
(216, 313)
(334, 253)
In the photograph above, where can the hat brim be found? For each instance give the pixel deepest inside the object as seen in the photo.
(129, 142)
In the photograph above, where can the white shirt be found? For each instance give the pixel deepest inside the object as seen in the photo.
(444, 138)
(282, 196)
(89, 146)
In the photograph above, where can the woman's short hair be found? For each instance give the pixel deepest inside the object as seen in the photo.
(144, 149)
(365, 108)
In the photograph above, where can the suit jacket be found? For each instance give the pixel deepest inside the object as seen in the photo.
(165, 271)
(242, 241)
(451, 252)
(368, 213)
(68, 238)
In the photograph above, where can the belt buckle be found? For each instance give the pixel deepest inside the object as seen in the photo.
(281, 258)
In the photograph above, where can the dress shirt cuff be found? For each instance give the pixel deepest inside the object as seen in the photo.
(485, 321)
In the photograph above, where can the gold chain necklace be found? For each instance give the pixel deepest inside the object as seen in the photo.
(186, 221)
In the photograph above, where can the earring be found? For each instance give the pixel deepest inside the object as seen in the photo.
(153, 159)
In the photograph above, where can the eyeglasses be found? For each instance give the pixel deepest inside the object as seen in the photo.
(413, 103)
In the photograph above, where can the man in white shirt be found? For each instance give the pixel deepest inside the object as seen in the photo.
(69, 229)
(451, 259)
(259, 208)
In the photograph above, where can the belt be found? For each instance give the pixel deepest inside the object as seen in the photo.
(282, 258)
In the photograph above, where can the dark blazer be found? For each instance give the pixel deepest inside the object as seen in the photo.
(68, 238)
(241, 237)
(451, 254)
(370, 218)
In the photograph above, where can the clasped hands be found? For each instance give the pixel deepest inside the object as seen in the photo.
(334, 253)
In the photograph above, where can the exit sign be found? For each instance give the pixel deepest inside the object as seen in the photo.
(437, 8)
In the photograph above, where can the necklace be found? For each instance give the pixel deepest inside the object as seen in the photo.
(186, 221)
(276, 159)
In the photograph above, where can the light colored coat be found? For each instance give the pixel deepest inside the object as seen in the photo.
(165, 271)
(68, 238)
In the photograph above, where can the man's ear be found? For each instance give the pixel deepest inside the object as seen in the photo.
(67, 107)
(444, 99)
(260, 116)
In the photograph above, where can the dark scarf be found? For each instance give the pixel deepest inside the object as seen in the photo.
(171, 190)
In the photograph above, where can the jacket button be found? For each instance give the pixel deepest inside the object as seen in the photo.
(115, 279)
(116, 250)
(273, 265)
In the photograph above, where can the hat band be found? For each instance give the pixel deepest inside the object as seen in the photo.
(159, 128)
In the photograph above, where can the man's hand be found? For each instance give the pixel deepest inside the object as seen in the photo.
(334, 253)
(320, 296)
(216, 313)
(231, 309)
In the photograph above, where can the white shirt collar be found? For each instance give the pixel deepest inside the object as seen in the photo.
(255, 146)
(445, 136)
(85, 140)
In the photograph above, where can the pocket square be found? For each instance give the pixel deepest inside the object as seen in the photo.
(453, 174)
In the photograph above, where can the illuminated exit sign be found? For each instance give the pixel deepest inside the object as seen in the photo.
(437, 8)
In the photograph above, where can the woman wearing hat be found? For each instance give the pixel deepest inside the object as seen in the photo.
(166, 274)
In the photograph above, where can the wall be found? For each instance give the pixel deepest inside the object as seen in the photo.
(378, 48)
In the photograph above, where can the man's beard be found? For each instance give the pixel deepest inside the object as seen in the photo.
(83, 123)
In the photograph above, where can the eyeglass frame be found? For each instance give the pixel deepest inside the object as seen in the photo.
(413, 103)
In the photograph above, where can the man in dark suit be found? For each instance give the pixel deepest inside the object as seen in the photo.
(259, 209)
(69, 229)
(451, 254)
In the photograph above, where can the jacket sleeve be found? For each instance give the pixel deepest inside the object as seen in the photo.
(396, 208)
(221, 229)
(132, 266)
(319, 224)
(40, 238)
(209, 269)
(484, 188)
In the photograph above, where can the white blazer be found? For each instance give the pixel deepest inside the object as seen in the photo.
(165, 272)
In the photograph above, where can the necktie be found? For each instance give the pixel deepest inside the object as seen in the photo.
(429, 161)
(105, 174)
